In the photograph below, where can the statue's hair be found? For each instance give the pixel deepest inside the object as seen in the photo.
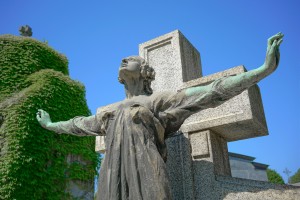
(147, 73)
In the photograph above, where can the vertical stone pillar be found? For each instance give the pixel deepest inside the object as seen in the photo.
(179, 165)
(210, 158)
(175, 61)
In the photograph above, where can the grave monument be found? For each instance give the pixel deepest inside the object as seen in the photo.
(192, 117)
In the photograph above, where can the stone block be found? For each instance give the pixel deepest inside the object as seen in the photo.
(206, 166)
(199, 143)
(239, 118)
(174, 59)
(210, 147)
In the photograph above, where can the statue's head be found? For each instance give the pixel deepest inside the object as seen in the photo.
(136, 68)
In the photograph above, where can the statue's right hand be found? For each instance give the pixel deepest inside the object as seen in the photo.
(43, 118)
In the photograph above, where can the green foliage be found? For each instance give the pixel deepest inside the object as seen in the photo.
(274, 177)
(22, 56)
(35, 163)
(295, 178)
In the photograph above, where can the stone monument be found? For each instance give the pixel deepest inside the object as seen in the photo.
(207, 131)
(197, 160)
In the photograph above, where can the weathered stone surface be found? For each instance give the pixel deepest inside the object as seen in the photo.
(179, 166)
(238, 118)
(174, 59)
(207, 166)
(229, 188)
(210, 147)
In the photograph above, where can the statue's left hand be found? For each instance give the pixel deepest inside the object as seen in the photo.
(43, 118)
(273, 54)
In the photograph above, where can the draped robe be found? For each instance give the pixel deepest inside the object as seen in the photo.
(134, 166)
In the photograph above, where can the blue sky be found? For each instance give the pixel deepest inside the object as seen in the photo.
(96, 35)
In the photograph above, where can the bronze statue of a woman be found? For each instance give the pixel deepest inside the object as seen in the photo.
(135, 128)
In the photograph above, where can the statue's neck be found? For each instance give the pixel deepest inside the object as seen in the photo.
(134, 88)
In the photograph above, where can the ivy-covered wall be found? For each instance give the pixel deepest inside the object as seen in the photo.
(36, 163)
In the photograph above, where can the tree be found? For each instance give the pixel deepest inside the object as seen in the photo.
(274, 177)
(296, 177)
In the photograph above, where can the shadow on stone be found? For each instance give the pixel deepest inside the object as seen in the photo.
(198, 179)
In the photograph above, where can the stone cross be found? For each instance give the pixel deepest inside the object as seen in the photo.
(202, 149)
(198, 162)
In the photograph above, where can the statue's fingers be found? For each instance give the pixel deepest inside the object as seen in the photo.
(280, 39)
(40, 111)
(38, 114)
(279, 42)
(273, 47)
(274, 37)
(271, 39)
(44, 112)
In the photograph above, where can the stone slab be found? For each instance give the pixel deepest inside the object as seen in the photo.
(238, 118)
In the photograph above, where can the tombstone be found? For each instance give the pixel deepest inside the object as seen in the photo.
(198, 162)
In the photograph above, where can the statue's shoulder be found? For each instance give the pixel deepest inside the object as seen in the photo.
(108, 108)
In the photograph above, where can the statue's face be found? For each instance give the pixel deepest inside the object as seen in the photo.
(129, 69)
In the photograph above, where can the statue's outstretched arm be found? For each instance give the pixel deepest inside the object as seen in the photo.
(234, 85)
(80, 126)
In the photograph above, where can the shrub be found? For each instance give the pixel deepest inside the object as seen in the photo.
(34, 162)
